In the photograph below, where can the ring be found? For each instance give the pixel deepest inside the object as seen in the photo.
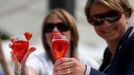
(68, 71)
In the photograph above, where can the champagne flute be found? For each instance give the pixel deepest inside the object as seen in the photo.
(20, 48)
(60, 44)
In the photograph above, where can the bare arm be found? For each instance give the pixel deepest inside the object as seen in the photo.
(3, 61)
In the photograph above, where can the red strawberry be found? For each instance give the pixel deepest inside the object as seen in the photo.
(55, 35)
(28, 35)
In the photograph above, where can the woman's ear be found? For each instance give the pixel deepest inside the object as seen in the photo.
(126, 15)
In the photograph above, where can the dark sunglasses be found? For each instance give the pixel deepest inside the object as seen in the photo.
(110, 16)
(62, 27)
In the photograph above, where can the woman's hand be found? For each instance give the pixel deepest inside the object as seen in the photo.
(14, 58)
(68, 66)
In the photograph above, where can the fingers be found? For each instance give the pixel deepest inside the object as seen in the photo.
(62, 60)
(32, 49)
(63, 63)
(12, 39)
(64, 66)
(10, 45)
(14, 58)
(68, 66)
(67, 71)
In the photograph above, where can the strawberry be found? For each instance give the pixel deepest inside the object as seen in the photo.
(55, 35)
(28, 35)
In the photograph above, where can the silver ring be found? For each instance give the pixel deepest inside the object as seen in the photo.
(68, 70)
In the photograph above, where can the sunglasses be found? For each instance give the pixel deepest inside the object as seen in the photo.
(62, 27)
(110, 16)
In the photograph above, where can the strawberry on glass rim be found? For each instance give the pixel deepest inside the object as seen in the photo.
(56, 35)
(28, 35)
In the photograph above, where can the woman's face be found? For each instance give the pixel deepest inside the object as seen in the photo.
(56, 22)
(111, 24)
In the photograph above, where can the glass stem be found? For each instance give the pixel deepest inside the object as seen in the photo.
(19, 69)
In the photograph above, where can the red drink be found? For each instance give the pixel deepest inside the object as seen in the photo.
(20, 48)
(60, 47)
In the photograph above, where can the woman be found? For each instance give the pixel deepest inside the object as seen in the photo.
(57, 20)
(110, 20)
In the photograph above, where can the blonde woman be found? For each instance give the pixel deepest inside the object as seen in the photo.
(110, 21)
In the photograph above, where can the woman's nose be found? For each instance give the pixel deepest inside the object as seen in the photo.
(55, 29)
(106, 23)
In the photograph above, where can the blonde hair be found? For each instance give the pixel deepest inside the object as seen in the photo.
(118, 5)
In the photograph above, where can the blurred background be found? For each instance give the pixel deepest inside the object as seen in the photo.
(18, 16)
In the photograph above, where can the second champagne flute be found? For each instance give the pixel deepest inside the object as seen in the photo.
(60, 44)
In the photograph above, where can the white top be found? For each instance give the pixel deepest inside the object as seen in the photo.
(41, 64)
(44, 66)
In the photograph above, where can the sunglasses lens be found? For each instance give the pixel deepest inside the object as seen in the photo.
(96, 21)
(110, 16)
(61, 27)
(48, 28)
(113, 16)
